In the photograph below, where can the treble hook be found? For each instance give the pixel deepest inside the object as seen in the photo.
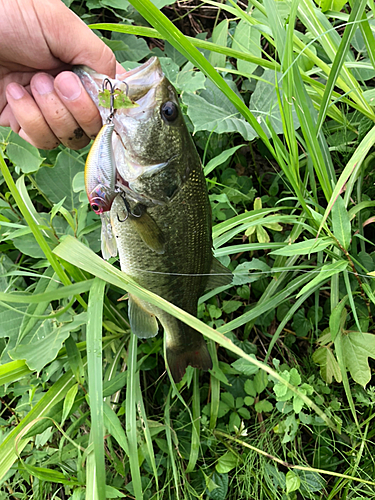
(129, 211)
(140, 209)
(127, 88)
(127, 208)
(112, 89)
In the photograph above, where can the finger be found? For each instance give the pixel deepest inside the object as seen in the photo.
(23, 134)
(56, 114)
(71, 40)
(23, 78)
(7, 119)
(75, 98)
(120, 70)
(29, 117)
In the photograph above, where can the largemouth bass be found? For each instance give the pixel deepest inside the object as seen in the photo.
(161, 219)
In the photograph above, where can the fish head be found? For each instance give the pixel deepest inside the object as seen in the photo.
(151, 143)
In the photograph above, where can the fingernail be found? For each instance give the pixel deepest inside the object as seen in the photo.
(16, 91)
(43, 84)
(69, 86)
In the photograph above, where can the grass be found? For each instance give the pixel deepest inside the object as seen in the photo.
(287, 410)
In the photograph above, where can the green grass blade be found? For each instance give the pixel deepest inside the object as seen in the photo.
(91, 472)
(131, 417)
(200, 44)
(351, 299)
(267, 305)
(75, 360)
(38, 217)
(166, 28)
(111, 372)
(147, 434)
(339, 60)
(352, 169)
(276, 26)
(68, 402)
(296, 467)
(34, 226)
(78, 254)
(345, 380)
(247, 247)
(288, 317)
(195, 425)
(326, 272)
(325, 33)
(113, 424)
(315, 144)
(12, 371)
(367, 35)
(57, 294)
(95, 380)
(31, 223)
(171, 448)
(215, 386)
(8, 447)
(286, 107)
(316, 95)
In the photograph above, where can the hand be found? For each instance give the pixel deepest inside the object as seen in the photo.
(39, 99)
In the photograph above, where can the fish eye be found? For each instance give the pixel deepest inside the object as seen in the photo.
(169, 111)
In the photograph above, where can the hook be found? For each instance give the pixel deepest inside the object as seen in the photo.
(127, 208)
(112, 89)
(128, 211)
(127, 88)
(140, 210)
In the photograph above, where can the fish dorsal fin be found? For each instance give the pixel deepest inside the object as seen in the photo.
(219, 275)
(147, 229)
(109, 245)
(143, 323)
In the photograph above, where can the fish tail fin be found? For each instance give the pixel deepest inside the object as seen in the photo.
(178, 360)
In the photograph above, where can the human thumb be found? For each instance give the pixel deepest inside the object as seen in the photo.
(70, 40)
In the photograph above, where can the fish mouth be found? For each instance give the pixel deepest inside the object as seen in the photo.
(139, 81)
(142, 85)
(136, 83)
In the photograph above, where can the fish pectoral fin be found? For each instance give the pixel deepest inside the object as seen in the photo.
(108, 245)
(148, 230)
(219, 275)
(142, 323)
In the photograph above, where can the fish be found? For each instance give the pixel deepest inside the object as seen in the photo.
(161, 218)
(100, 184)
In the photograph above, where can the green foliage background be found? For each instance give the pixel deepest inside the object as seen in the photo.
(279, 99)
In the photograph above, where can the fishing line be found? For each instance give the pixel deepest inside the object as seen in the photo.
(249, 273)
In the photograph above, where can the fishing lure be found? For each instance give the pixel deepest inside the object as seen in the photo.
(100, 176)
(100, 179)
